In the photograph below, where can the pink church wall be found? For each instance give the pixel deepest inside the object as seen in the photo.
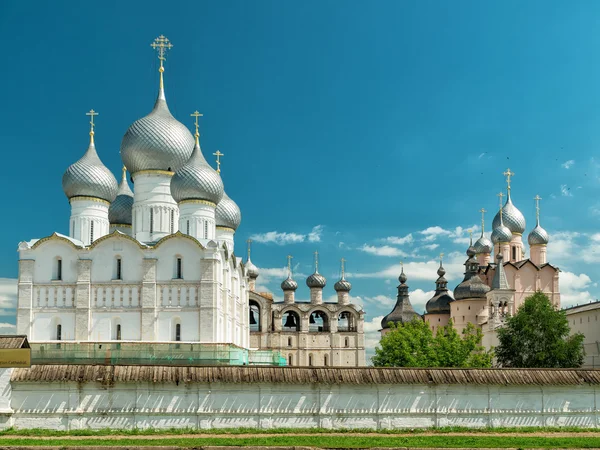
(436, 321)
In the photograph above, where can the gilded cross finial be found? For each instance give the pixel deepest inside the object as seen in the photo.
(343, 271)
(500, 195)
(289, 258)
(197, 115)
(508, 175)
(161, 44)
(316, 261)
(249, 242)
(537, 199)
(92, 113)
(482, 211)
(441, 258)
(218, 154)
(124, 173)
(402, 266)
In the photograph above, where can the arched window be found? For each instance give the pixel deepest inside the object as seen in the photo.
(346, 322)
(310, 359)
(346, 342)
(179, 268)
(514, 253)
(289, 342)
(91, 231)
(172, 226)
(290, 360)
(58, 273)
(59, 332)
(325, 360)
(255, 318)
(318, 322)
(151, 220)
(187, 227)
(290, 321)
(178, 332)
(206, 229)
(118, 268)
(118, 332)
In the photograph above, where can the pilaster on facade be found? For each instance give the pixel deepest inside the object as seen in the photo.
(25, 296)
(83, 299)
(148, 299)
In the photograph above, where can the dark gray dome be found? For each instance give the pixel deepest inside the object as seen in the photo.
(472, 285)
(439, 304)
(342, 285)
(513, 218)
(288, 284)
(157, 141)
(88, 177)
(501, 234)
(251, 270)
(228, 213)
(483, 245)
(197, 180)
(316, 280)
(120, 211)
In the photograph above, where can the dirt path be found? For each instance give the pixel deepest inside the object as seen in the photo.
(263, 435)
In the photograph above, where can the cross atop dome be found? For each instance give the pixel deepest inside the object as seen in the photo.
(508, 174)
(218, 154)
(161, 44)
(92, 113)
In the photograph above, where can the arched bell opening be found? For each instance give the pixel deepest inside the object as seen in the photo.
(255, 319)
(290, 321)
(346, 321)
(318, 322)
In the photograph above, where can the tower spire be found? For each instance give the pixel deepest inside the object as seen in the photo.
(482, 211)
(92, 113)
(470, 237)
(197, 115)
(537, 199)
(218, 154)
(441, 259)
(161, 44)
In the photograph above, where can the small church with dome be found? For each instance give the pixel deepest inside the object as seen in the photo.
(156, 264)
(492, 289)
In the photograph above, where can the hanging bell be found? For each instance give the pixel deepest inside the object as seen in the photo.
(290, 321)
(252, 319)
(344, 315)
(312, 319)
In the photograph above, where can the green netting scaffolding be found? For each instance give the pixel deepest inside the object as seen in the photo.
(137, 353)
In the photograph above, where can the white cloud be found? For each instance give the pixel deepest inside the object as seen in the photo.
(408, 239)
(418, 299)
(384, 250)
(283, 238)
(372, 336)
(381, 300)
(431, 246)
(435, 231)
(459, 235)
(8, 328)
(315, 234)
(573, 289)
(565, 191)
(568, 164)
(8, 296)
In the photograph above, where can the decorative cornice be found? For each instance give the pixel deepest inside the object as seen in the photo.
(198, 202)
(153, 172)
(117, 234)
(124, 225)
(225, 228)
(92, 199)
(54, 237)
(538, 245)
(176, 235)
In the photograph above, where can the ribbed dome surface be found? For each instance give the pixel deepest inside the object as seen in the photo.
(120, 211)
(316, 280)
(483, 245)
(501, 234)
(342, 285)
(196, 180)
(88, 177)
(513, 218)
(538, 236)
(289, 285)
(439, 304)
(157, 141)
(251, 269)
(228, 213)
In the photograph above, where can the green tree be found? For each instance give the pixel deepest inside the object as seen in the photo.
(412, 344)
(538, 336)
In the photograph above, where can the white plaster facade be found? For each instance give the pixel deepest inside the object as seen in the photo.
(177, 289)
(72, 405)
(584, 319)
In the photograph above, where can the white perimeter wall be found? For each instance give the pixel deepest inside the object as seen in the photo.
(126, 405)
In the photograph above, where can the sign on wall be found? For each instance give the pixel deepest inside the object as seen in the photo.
(15, 357)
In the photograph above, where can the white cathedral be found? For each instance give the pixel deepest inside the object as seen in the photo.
(155, 265)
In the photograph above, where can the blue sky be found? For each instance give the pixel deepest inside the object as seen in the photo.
(373, 131)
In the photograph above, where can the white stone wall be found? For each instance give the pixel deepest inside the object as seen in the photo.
(70, 405)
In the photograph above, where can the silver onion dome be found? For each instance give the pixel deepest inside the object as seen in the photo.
(228, 213)
(538, 236)
(197, 180)
(316, 280)
(483, 245)
(251, 270)
(501, 234)
(88, 177)
(342, 285)
(120, 210)
(288, 284)
(513, 218)
(157, 141)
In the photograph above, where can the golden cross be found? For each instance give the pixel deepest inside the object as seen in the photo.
(289, 258)
(196, 114)
(500, 195)
(343, 261)
(92, 113)
(482, 211)
(161, 44)
(316, 261)
(508, 175)
(537, 199)
(441, 258)
(249, 241)
(218, 154)
(124, 172)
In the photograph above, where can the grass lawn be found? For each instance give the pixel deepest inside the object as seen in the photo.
(325, 441)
